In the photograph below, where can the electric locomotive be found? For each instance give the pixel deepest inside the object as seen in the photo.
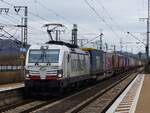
(54, 66)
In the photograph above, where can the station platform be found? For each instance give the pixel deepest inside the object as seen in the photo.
(135, 98)
(11, 86)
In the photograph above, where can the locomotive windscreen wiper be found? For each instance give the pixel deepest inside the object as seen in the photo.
(41, 58)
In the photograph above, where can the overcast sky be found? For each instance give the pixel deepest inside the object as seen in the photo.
(114, 18)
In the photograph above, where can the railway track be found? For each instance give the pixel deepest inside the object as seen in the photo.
(101, 103)
(78, 102)
(9, 97)
(72, 103)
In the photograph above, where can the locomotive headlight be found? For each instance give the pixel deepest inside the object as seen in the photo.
(60, 73)
(27, 75)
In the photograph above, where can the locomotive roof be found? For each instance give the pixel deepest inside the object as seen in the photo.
(57, 46)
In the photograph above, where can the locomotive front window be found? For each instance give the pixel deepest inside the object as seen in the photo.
(52, 56)
(44, 56)
(35, 56)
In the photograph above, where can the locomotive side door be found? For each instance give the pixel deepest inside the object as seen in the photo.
(66, 64)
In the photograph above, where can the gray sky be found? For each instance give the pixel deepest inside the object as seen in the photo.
(120, 16)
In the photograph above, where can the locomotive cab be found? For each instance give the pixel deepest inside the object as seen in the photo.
(45, 68)
(53, 67)
(44, 63)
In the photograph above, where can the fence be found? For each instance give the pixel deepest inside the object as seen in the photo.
(10, 67)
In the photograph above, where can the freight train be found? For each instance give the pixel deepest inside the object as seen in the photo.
(55, 66)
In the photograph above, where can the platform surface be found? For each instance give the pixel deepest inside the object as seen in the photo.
(136, 97)
(11, 86)
(143, 105)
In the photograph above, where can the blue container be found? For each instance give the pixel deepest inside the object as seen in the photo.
(96, 57)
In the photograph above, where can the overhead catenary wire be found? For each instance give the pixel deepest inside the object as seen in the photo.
(9, 37)
(42, 18)
(58, 15)
(33, 28)
(10, 30)
(109, 16)
(13, 20)
(115, 24)
(12, 26)
(54, 12)
(31, 13)
(6, 21)
(101, 18)
(28, 11)
(91, 40)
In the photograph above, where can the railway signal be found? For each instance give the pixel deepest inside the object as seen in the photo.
(22, 57)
